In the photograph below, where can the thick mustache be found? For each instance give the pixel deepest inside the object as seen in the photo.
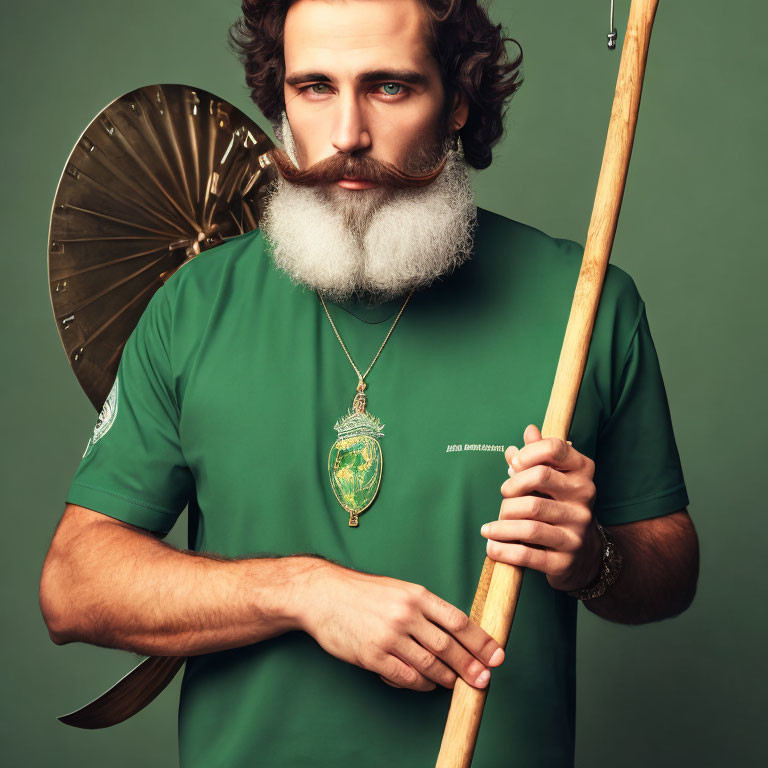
(342, 166)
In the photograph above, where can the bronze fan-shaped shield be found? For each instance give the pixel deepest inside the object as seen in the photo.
(159, 175)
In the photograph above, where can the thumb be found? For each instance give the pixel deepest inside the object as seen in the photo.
(531, 434)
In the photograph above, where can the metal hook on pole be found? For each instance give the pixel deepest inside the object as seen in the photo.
(612, 34)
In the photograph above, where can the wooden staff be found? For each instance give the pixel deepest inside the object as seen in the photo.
(496, 597)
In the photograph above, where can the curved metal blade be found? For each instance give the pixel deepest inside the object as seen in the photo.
(128, 695)
(159, 175)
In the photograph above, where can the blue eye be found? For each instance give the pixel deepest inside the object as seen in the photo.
(392, 89)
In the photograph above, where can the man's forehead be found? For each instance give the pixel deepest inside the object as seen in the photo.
(353, 36)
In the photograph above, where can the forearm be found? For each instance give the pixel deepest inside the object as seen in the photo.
(121, 588)
(659, 574)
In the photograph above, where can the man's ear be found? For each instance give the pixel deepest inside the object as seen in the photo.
(284, 135)
(459, 111)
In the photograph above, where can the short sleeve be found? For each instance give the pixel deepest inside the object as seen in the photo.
(133, 468)
(638, 474)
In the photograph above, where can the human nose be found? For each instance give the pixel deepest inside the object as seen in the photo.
(350, 132)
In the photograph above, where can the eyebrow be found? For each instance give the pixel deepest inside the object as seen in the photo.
(376, 75)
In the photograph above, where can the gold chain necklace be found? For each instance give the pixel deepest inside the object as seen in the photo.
(355, 462)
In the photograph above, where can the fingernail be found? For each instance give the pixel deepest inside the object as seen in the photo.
(484, 530)
(510, 472)
(483, 678)
(497, 658)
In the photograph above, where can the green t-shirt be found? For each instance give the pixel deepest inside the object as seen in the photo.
(228, 392)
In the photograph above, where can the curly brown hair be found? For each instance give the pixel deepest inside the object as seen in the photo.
(470, 50)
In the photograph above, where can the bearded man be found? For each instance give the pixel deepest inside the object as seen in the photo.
(313, 575)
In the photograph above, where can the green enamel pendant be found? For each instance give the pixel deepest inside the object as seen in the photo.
(355, 461)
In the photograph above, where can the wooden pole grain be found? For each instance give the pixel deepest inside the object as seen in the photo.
(499, 586)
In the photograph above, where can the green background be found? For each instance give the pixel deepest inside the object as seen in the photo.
(683, 692)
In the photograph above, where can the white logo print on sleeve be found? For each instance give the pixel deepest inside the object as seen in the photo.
(106, 417)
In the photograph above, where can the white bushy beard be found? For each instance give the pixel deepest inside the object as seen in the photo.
(373, 244)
